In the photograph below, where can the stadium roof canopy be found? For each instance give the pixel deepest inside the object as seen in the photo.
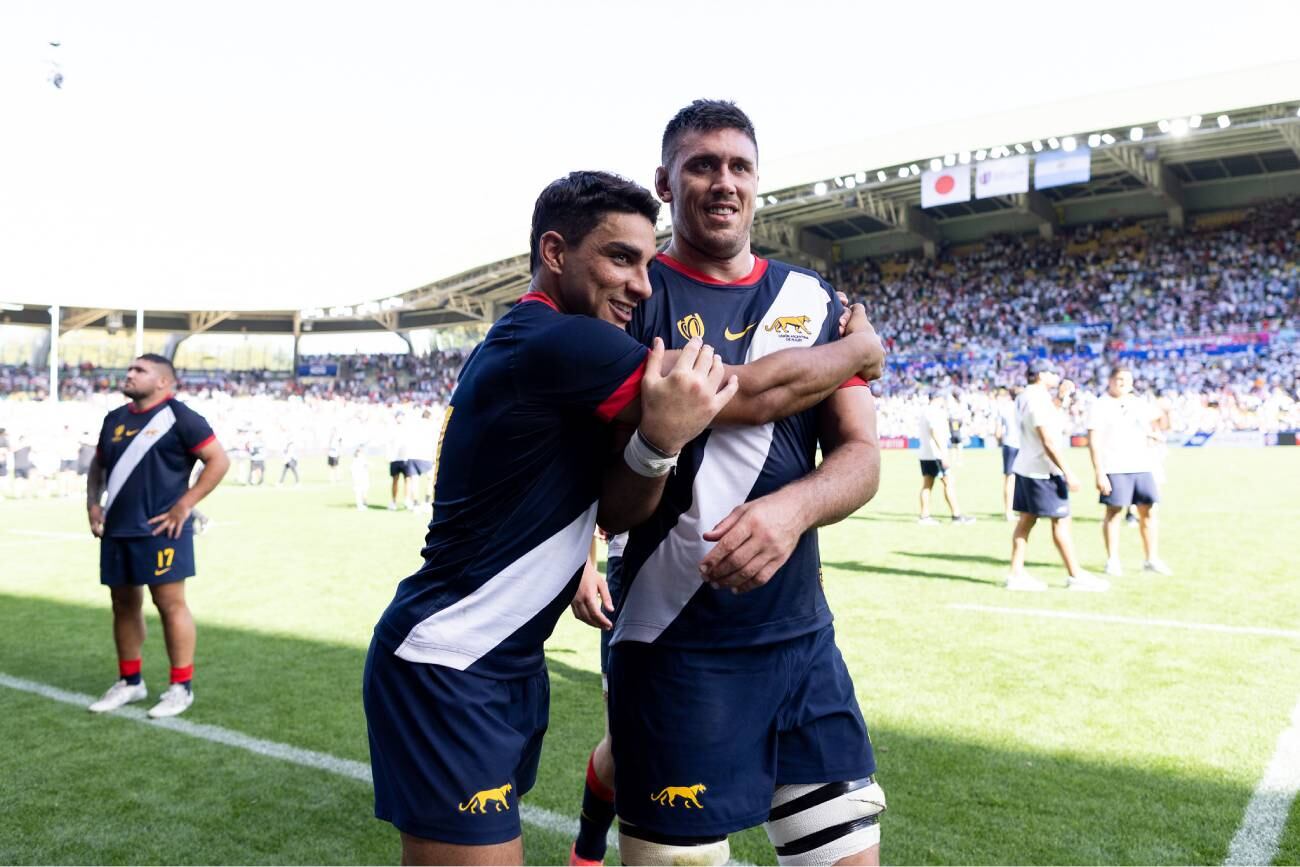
(1208, 144)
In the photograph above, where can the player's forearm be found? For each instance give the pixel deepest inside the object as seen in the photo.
(1054, 455)
(94, 482)
(792, 380)
(627, 498)
(845, 481)
(1093, 455)
(213, 472)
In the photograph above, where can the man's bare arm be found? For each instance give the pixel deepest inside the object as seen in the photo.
(215, 464)
(1054, 455)
(95, 483)
(756, 539)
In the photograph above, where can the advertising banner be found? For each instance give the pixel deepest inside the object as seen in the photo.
(1003, 177)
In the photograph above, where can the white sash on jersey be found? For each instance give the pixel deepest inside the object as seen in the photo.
(135, 452)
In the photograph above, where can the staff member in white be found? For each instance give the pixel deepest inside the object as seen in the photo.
(1044, 481)
(140, 505)
(934, 436)
(1007, 431)
(1121, 433)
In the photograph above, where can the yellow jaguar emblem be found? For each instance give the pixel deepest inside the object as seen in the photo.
(690, 326)
(784, 324)
(669, 795)
(478, 803)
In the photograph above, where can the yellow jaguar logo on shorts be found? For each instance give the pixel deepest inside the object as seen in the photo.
(788, 324)
(668, 796)
(690, 326)
(478, 803)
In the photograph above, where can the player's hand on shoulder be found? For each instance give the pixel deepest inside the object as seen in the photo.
(592, 599)
(95, 513)
(677, 407)
(753, 542)
(873, 363)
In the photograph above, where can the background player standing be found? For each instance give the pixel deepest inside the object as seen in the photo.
(1044, 482)
(1007, 432)
(139, 504)
(937, 439)
(1121, 432)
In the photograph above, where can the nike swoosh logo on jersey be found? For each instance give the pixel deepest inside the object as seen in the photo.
(157, 572)
(132, 433)
(727, 332)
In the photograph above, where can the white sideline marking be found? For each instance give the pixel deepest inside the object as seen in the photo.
(1132, 621)
(1260, 834)
(537, 816)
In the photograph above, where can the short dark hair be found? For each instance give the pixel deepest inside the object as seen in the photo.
(1120, 368)
(575, 204)
(163, 361)
(704, 115)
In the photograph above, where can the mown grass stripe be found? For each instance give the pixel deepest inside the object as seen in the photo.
(536, 816)
(1131, 621)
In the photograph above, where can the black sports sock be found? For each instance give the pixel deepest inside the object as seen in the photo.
(597, 816)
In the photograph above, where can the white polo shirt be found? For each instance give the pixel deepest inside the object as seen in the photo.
(932, 423)
(1120, 428)
(1035, 409)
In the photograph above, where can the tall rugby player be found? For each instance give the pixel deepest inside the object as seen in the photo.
(455, 688)
(140, 503)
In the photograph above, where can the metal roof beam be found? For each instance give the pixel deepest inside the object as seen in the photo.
(1036, 205)
(1156, 175)
(905, 218)
(206, 319)
(82, 318)
(1290, 133)
(785, 239)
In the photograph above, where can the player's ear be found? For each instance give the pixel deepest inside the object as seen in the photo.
(551, 249)
(662, 190)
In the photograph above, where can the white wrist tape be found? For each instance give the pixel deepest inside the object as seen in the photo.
(646, 461)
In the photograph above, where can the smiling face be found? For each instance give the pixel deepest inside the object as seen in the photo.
(711, 185)
(1121, 383)
(605, 274)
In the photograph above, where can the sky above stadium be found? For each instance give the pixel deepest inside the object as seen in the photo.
(254, 155)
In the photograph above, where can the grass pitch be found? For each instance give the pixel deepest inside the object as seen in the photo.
(1001, 737)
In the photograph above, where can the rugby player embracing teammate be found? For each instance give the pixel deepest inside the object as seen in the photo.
(729, 703)
(455, 687)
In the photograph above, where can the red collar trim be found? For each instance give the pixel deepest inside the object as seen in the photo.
(542, 297)
(130, 407)
(756, 274)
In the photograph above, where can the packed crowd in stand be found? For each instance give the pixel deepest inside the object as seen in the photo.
(1208, 318)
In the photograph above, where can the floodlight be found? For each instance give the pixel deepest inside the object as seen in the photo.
(1020, 148)
(1107, 138)
(950, 159)
(1178, 127)
(860, 177)
(1094, 140)
(1038, 145)
(1163, 125)
(880, 176)
(1068, 143)
(1194, 121)
(839, 182)
(936, 165)
(1054, 142)
(850, 182)
(980, 154)
(820, 188)
(903, 172)
(1136, 133)
(1224, 122)
(964, 157)
(772, 200)
(916, 170)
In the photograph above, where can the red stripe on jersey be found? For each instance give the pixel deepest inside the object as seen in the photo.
(629, 391)
(854, 382)
(180, 675)
(130, 407)
(128, 667)
(755, 274)
(201, 446)
(542, 297)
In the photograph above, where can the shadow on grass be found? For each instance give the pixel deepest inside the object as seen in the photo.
(973, 558)
(854, 566)
(951, 800)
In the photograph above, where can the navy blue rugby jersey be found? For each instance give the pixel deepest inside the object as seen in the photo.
(777, 306)
(154, 451)
(519, 472)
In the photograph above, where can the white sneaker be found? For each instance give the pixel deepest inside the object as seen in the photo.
(172, 702)
(927, 521)
(120, 693)
(1025, 583)
(1160, 567)
(1114, 569)
(1086, 581)
(392, 507)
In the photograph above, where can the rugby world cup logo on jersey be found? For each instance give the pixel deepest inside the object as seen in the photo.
(668, 795)
(478, 803)
(691, 326)
(792, 329)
